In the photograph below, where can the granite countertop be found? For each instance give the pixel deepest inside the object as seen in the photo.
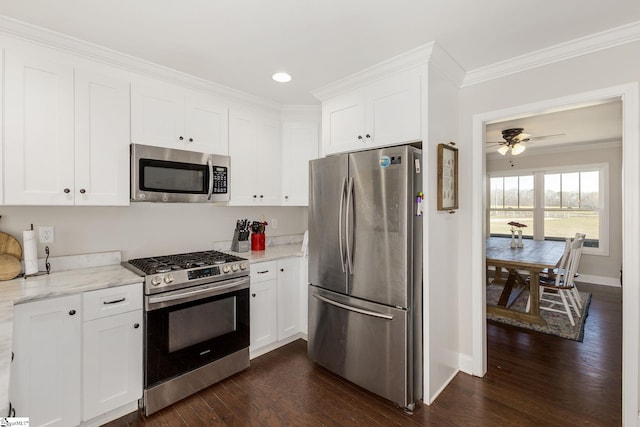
(56, 284)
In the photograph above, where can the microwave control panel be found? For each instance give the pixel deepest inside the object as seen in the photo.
(219, 180)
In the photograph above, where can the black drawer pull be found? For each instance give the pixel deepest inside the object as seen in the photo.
(114, 301)
(262, 272)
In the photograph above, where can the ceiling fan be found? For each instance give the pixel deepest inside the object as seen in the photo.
(514, 139)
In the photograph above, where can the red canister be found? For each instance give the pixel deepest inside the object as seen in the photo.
(257, 241)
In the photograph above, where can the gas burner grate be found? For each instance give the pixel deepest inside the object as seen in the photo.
(166, 263)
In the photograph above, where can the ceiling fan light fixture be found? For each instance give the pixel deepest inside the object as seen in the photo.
(517, 148)
(503, 149)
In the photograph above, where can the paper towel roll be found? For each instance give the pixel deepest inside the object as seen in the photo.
(30, 250)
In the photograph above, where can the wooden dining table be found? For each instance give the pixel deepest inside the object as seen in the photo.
(533, 257)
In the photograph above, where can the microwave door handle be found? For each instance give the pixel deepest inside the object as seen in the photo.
(210, 164)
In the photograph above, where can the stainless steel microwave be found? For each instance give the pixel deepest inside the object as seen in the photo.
(169, 175)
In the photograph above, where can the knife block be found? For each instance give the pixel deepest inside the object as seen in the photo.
(238, 245)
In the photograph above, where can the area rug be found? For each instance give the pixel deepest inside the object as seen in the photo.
(557, 323)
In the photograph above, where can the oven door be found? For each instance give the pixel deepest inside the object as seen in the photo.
(169, 175)
(195, 326)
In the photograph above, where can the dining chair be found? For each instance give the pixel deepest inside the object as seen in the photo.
(556, 293)
(574, 291)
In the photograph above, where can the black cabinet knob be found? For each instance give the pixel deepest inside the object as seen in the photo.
(67, 191)
(255, 196)
(286, 197)
(368, 136)
(253, 295)
(136, 325)
(82, 191)
(190, 139)
(359, 136)
(181, 138)
(261, 196)
(282, 269)
(72, 312)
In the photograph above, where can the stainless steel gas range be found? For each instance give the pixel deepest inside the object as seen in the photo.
(196, 322)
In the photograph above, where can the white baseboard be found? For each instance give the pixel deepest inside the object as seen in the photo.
(465, 363)
(435, 395)
(599, 280)
(270, 347)
(111, 415)
(587, 278)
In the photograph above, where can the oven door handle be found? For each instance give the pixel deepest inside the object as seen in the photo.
(189, 295)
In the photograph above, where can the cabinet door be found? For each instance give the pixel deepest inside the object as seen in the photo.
(288, 297)
(242, 145)
(112, 362)
(263, 314)
(394, 113)
(206, 125)
(299, 145)
(102, 139)
(158, 114)
(343, 126)
(46, 344)
(38, 126)
(268, 154)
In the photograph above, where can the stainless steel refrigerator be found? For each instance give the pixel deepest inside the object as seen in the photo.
(365, 270)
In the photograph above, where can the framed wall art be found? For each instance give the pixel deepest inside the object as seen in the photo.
(447, 177)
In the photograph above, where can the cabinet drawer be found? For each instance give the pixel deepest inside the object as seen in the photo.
(263, 271)
(110, 301)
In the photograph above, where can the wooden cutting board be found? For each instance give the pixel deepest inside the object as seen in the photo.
(9, 267)
(9, 245)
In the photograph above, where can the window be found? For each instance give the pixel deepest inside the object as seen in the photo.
(553, 204)
(511, 199)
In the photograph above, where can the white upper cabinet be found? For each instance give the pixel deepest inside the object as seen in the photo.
(385, 112)
(66, 133)
(38, 130)
(102, 139)
(169, 116)
(255, 144)
(300, 141)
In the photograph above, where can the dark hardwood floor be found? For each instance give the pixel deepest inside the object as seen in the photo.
(533, 380)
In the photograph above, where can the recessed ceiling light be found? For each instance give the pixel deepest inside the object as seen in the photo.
(281, 77)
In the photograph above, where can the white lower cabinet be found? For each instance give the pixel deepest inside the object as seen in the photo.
(263, 317)
(288, 291)
(274, 303)
(65, 371)
(45, 373)
(112, 353)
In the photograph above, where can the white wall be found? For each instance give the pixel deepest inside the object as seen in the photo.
(145, 229)
(611, 67)
(592, 265)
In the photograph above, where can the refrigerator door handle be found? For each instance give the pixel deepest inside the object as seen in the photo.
(340, 221)
(355, 309)
(346, 226)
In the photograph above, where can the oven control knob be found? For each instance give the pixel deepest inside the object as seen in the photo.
(168, 278)
(226, 269)
(156, 280)
(235, 267)
(243, 266)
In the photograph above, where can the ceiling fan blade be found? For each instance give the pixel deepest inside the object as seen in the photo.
(547, 136)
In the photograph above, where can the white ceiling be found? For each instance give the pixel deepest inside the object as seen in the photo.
(241, 43)
(594, 124)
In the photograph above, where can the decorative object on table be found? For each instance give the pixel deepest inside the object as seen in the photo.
(240, 241)
(447, 177)
(516, 227)
(556, 323)
(257, 235)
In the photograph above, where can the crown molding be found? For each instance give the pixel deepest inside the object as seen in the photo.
(301, 108)
(51, 39)
(571, 49)
(412, 58)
